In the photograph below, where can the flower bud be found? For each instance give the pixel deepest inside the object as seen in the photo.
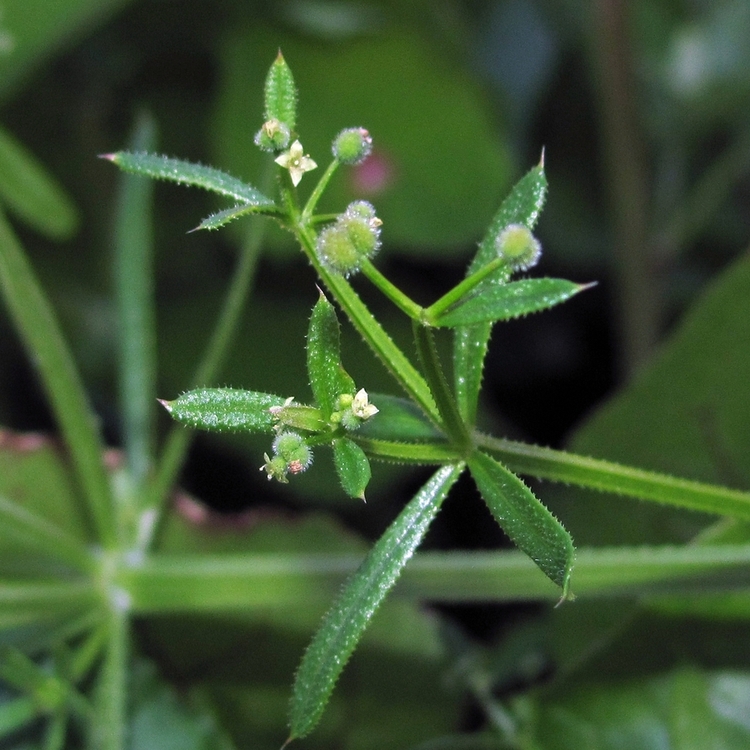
(518, 246)
(294, 450)
(353, 237)
(352, 146)
(273, 136)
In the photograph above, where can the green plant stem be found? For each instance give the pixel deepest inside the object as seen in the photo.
(33, 601)
(461, 290)
(312, 201)
(110, 723)
(606, 476)
(394, 294)
(370, 329)
(424, 339)
(46, 347)
(235, 303)
(266, 582)
(136, 315)
(638, 286)
(413, 453)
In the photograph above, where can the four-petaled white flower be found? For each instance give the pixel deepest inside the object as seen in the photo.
(361, 406)
(296, 162)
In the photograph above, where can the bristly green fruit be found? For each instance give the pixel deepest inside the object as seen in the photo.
(518, 247)
(353, 237)
(352, 146)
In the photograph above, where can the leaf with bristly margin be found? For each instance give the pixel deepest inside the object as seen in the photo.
(220, 218)
(223, 409)
(346, 621)
(328, 379)
(281, 93)
(528, 523)
(492, 302)
(352, 467)
(522, 206)
(189, 173)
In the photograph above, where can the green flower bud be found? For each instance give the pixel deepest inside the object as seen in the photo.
(275, 468)
(273, 136)
(518, 246)
(355, 236)
(352, 146)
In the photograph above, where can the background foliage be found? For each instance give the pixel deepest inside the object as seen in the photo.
(641, 109)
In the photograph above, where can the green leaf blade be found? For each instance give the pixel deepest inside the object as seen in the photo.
(221, 218)
(346, 621)
(281, 93)
(31, 193)
(328, 379)
(524, 519)
(225, 409)
(352, 467)
(492, 302)
(188, 173)
(522, 206)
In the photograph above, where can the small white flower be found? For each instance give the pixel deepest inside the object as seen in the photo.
(361, 406)
(296, 162)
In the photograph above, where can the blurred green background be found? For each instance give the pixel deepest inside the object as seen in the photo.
(641, 109)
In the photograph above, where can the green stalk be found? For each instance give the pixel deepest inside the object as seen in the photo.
(275, 582)
(412, 453)
(445, 400)
(111, 720)
(370, 329)
(312, 201)
(606, 476)
(461, 290)
(45, 345)
(136, 315)
(394, 294)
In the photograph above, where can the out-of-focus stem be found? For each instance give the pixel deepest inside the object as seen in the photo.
(638, 283)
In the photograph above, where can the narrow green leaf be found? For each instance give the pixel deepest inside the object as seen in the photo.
(524, 519)
(112, 698)
(328, 378)
(281, 93)
(220, 218)
(225, 409)
(352, 467)
(134, 246)
(31, 193)
(608, 476)
(346, 621)
(16, 714)
(490, 302)
(46, 347)
(522, 206)
(189, 173)
(42, 536)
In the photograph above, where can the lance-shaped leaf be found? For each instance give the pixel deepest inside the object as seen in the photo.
(352, 467)
(220, 218)
(346, 621)
(189, 173)
(281, 93)
(522, 206)
(224, 409)
(31, 193)
(524, 519)
(328, 379)
(491, 302)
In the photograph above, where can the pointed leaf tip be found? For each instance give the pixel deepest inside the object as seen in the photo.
(166, 404)
(108, 157)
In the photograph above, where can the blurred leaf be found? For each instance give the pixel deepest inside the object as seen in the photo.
(31, 193)
(685, 414)
(35, 29)
(434, 187)
(35, 477)
(684, 710)
(398, 419)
